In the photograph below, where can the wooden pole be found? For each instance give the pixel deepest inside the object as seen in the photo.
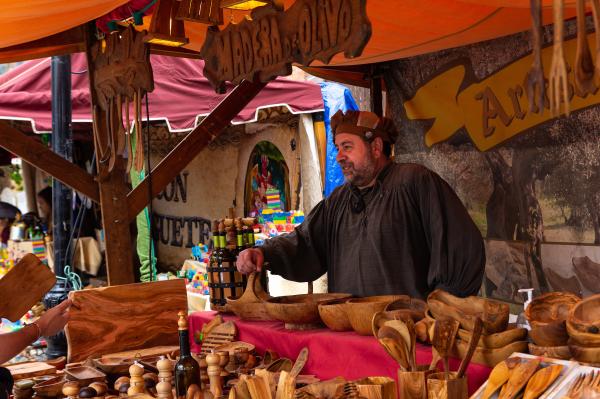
(44, 159)
(191, 146)
(113, 201)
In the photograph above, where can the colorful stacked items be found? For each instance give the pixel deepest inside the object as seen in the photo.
(39, 249)
(274, 223)
(273, 199)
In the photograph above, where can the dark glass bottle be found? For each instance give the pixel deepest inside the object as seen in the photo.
(187, 369)
(213, 269)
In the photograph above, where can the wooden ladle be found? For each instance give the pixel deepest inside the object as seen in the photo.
(444, 334)
(394, 344)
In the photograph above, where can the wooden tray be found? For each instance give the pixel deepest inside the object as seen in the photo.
(84, 375)
(29, 369)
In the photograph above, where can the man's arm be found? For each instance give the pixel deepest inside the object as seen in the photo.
(457, 261)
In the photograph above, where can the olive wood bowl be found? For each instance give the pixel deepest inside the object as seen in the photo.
(496, 340)
(50, 388)
(113, 365)
(557, 352)
(360, 311)
(299, 312)
(585, 354)
(334, 316)
(579, 338)
(547, 314)
(585, 316)
(251, 305)
(486, 356)
(494, 314)
(413, 307)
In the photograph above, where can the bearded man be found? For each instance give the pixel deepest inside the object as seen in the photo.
(391, 228)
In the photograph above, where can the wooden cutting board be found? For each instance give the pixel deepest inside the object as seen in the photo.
(23, 286)
(29, 369)
(139, 353)
(124, 317)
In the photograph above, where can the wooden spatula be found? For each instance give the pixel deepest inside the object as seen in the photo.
(23, 286)
(518, 378)
(499, 375)
(541, 380)
(444, 334)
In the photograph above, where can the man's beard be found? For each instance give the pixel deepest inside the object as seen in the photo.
(362, 176)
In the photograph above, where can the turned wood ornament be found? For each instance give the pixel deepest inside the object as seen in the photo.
(214, 374)
(120, 381)
(100, 387)
(136, 382)
(71, 389)
(165, 374)
(204, 380)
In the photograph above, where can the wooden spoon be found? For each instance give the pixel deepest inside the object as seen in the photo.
(541, 380)
(299, 363)
(499, 375)
(596, 14)
(444, 333)
(475, 335)
(518, 378)
(393, 342)
(584, 66)
(535, 76)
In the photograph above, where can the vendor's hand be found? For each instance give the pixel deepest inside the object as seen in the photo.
(54, 319)
(250, 260)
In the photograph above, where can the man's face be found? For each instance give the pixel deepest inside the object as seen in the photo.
(356, 158)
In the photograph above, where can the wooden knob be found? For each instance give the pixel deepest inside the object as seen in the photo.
(164, 364)
(70, 388)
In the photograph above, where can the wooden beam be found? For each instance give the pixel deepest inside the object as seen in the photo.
(113, 195)
(191, 145)
(43, 158)
(67, 42)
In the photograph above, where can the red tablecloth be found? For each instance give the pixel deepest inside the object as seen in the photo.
(331, 354)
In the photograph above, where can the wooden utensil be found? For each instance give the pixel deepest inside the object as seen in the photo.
(477, 329)
(393, 343)
(584, 65)
(23, 286)
(299, 363)
(499, 375)
(558, 84)
(535, 77)
(518, 378)
(596, 15)
(251, 305)
(541, 380)
(444, 333)
(403, 329)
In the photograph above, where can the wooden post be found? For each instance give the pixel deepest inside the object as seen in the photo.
(113, 201)
(191, 145)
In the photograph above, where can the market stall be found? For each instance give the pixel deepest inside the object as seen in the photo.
(233, 358)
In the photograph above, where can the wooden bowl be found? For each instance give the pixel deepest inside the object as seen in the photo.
(299, 311)
(412, 307)
(334, 316)
(50, 388)
(585, 315)
(360, 311)
(585, 354)
(84, 375)
(579, 338)
(557, 352)
(488, 357)
(547, 314)
(251, 305)
(112, 365)
(494, 314)
(231, 347)
(497, 340)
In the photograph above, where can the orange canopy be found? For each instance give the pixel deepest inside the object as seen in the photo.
(401, 28)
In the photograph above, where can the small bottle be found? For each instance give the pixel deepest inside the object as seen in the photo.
(187, 369)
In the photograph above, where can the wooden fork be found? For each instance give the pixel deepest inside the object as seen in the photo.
(584, 65)
(558, 70)
(535, 77)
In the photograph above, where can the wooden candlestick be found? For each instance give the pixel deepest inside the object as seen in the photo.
(165, 374)
(136, 382)
(214, 374)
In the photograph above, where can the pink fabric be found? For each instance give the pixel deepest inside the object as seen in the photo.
(331, 354)
(180, 96)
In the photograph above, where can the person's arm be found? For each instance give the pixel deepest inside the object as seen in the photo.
(457, 261)
(51, 322)
(297, 256)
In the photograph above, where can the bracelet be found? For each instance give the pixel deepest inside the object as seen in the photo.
(39, 330)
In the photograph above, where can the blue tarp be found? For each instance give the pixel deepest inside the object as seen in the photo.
(335, 97)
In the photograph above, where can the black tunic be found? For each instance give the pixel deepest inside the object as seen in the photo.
(413, 236)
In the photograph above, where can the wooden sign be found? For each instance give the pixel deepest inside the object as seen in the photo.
(265, 46)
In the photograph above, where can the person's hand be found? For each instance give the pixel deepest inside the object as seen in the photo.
(250, 260)
(54, 319)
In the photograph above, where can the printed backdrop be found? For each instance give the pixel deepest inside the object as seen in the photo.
(530, 181)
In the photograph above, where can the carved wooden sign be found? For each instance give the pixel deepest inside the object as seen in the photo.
(266, 45)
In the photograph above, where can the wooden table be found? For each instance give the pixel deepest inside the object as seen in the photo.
(332, 354)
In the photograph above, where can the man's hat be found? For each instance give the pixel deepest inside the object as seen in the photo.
(364, 124)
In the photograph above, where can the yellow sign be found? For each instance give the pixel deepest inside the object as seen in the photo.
(491, 110)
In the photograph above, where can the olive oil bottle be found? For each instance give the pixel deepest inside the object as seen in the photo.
(187, 369)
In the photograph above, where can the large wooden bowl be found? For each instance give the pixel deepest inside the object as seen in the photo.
(582, 338)
(360, 311)
(489, 357)
(585, 316)
(494, 314)
(334, 316)
(299, 312)
(496, 340)
(556, 352)
(585, 354)
(412, 307)
(50, 388)
(547, 314)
